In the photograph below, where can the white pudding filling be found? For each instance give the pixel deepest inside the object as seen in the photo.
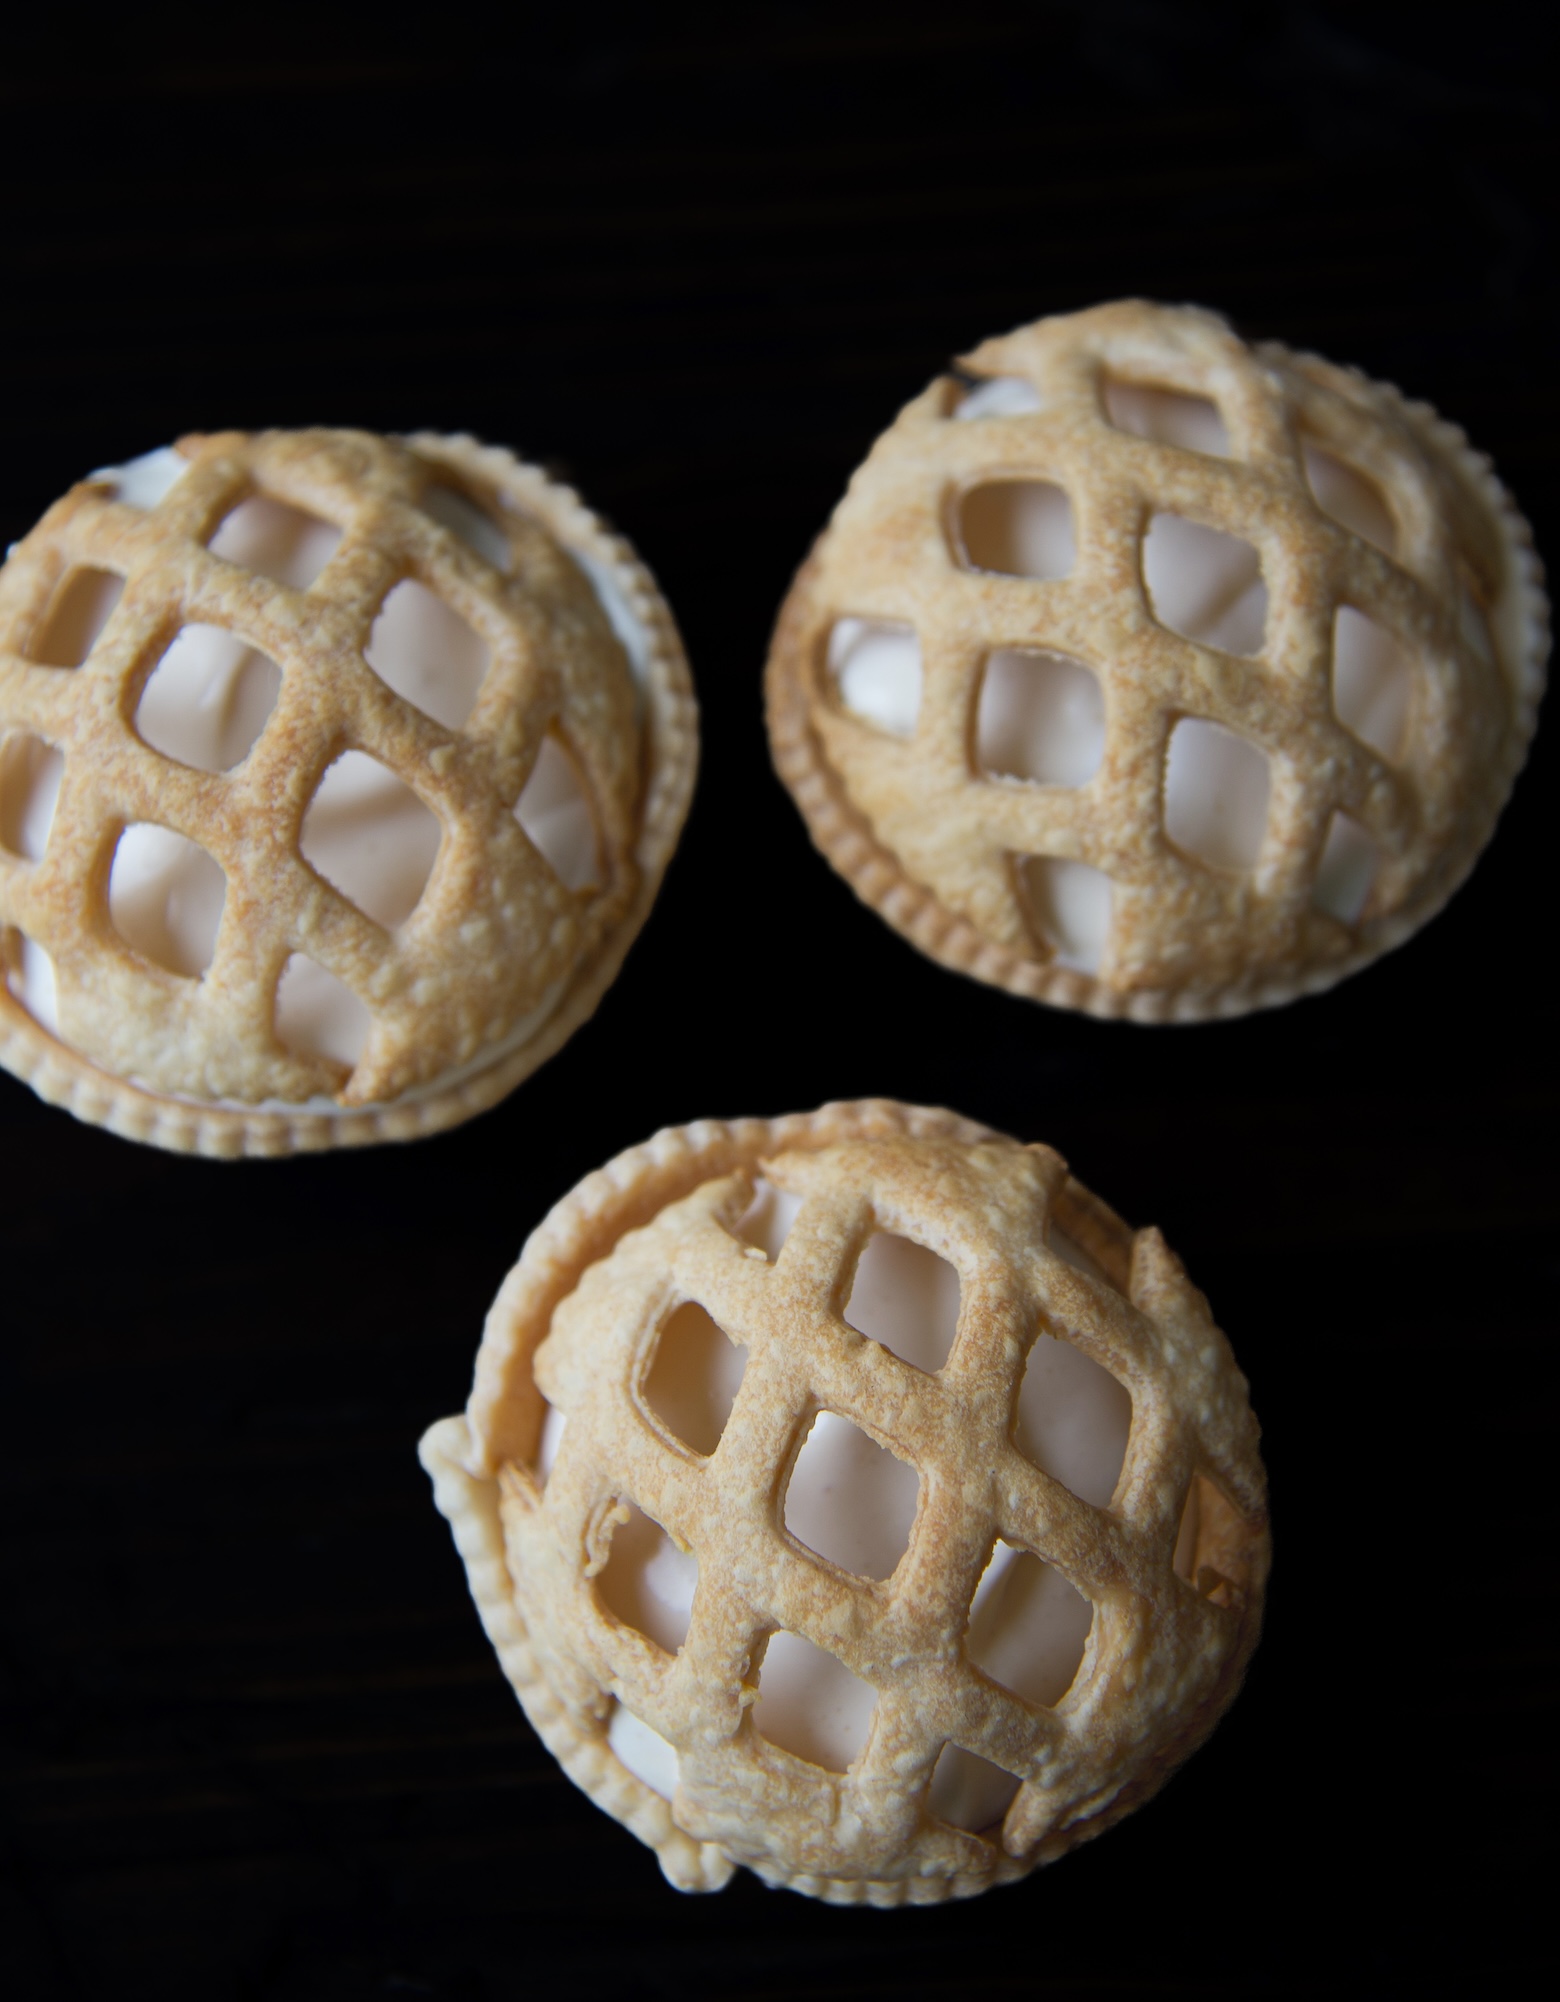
(877, 669)
(854, 1503)
(207, 702)
(1018, 528)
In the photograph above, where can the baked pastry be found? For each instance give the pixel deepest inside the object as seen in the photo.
(855, 1497)
(337, 774)
(1147, 673)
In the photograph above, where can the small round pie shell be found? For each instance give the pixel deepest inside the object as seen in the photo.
(500, 963)
(578, 1318)
(932, 844)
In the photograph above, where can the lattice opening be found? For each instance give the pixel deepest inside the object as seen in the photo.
(647, 1755)
(165, 897)
(478, 529)
(1069, 904)
(1205, 585)
(1073, 1420)
(766, 1222)
(1072, 1253)
(1028, 1626)
(427, 653)
(556, 814)
(1041, 716)
(549, 1440)
(30, 977)
(75, 616)
(1350, 497)
(30, 774)
(1473, 622)
(276, 540)
(1346, 871)
(1213, 1546)
(907, 1298)
(850, 1500)
(1373, 679)
(693, 1377)
(876, 667)
(318, 1015)
(968, 1791)
(1000, 396)
(1166, 416)
(648, 1583)
(369, 834)
(208, 699)
(1216, 795)
(1017, 528)
(811, 1704)
(144, 481)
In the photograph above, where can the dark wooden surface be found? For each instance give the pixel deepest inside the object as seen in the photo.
(256, 1746)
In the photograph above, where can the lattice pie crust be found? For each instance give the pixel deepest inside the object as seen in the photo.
(941, 847)
(577, 1322)
(500, 960)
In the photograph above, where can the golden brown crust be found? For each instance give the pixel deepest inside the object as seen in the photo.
(578, 1318)
(500, 961)
(929, 841)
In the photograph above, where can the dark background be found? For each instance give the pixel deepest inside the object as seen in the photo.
(256, 1745)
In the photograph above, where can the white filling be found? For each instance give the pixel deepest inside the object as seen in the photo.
(1373, 682)
(766, 1222)
(693, 1377)
(1041, 716)
(427, 653)
(1354, 501)
(877, 669)
(1000, 396)
(811, 1704)
(1347, 869)
(474, 525)
(276, 540)
(79, 611)
(850, 1499)
(1167, 416)
(1018, 528)
(143, 482)
(30, 774)
(648, 1583)
(1204, 584)
(165, 896)
(367, 832)
(646, 1753)
(554, 811)
(208, 699)
(34, 986)
(907, 1298)
(317, 1015)
(969, 1791)
(1216, 794)
(1071, 903)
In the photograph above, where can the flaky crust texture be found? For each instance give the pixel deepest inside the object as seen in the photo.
(933, 843)
(500, 961)
(577, 1322)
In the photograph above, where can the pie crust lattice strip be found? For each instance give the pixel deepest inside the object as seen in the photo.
(1172, 1564)
(1375, 543)
(500, 958)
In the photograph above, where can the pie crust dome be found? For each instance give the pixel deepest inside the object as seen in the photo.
(941, 848)
(500, 960)
(1176, 1595)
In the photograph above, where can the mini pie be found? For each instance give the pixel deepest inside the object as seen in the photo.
(365, 758)
(1147, 673)
(872, 1710)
